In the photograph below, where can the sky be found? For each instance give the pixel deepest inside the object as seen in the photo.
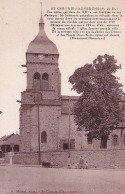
(19, 26)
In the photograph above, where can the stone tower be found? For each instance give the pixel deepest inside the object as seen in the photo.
(41, 102)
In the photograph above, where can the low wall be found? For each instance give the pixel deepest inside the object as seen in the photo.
(95, 158)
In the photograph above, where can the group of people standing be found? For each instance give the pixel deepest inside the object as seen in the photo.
(81, 165)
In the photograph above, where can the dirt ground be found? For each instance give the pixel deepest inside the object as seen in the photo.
(38, 180)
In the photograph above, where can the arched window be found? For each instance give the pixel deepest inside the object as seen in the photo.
(89, 138)
(115, 139)
(45, 76)
(36, 81)
(43, 137)
(37, 76)
(45, 81)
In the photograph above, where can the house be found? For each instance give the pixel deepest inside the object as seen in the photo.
(10, 143)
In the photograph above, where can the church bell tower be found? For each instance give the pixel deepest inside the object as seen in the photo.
(40, 103)
(42, 65)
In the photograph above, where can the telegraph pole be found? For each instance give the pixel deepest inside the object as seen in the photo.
(38, 125)
(69, 146)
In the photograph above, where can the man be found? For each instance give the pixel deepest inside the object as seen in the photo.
(81, 162)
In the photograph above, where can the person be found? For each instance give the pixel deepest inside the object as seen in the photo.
(69, 163)
(81, 162)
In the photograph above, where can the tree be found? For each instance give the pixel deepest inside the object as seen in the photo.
(99, 109)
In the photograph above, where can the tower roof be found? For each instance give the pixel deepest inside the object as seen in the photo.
(41, 43)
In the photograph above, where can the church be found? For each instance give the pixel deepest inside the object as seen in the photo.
(47, 127)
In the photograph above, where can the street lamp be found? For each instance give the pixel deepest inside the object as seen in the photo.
(69, 134)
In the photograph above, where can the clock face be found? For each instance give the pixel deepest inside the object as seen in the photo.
(40, 56)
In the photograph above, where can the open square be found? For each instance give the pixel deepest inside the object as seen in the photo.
(18, 179)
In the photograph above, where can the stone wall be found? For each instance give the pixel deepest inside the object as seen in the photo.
(26, 158)
(95, 158)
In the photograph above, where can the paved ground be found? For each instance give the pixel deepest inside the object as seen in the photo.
(37, 180)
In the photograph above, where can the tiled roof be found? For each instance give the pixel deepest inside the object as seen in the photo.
(11, 139)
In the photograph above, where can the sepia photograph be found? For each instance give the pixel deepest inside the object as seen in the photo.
(62, 102)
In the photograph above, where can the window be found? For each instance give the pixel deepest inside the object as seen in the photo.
(36, 76)
(43, 137)
(115, 139)
(45, 81)
(45, 76)
(36, 81)
(64, 144)
(16, 148)
(89, 138)
(103, 141)
(72, 144)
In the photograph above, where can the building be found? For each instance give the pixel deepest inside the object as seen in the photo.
(46, 117)
(10, 143)
(44, 112)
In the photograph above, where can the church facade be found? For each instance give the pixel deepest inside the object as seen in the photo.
(46, 116)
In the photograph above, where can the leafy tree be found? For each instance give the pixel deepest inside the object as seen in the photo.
(99, 108)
